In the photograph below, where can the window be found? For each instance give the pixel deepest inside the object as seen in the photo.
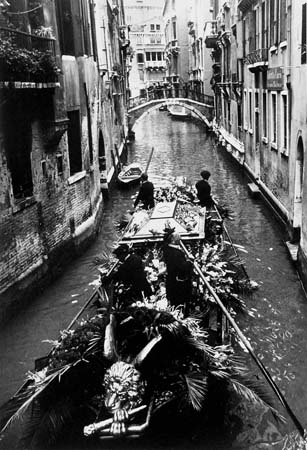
(174, 30)
(245, 109)
(264, 31)
(140, 58)
(154, 56)
(158, 27)
(274, 119)
(152, 27)
(304, 41)
(264, 115)
(74, 142)
(257, 118)
(147, 56)
(244, 37)
(239, 112)
(274, 21)
(283, 21)
(284, 122)
(250, 109)
(85, 28)
(18, 145)
(158, 40)
(159, 56)
(59, 163)
(152, 39)
(44, 168)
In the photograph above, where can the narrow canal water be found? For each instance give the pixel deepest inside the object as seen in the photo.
(278, 330)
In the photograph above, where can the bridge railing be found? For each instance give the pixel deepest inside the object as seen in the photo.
(166, 93)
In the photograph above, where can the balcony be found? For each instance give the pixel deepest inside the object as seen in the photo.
(172, 47)
(257, 60)
(211, 34)
(174, 79)
(26, 60)
(155, 65)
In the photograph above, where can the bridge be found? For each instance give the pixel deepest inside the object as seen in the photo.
(201, 105)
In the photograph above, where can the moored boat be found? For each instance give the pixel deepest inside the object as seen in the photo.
(178, 112)
(130, 174)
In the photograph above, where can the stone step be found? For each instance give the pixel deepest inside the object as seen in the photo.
(292, 249)
(253, 190)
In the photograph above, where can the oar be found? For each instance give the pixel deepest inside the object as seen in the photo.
(96, 291)
(149, 160)
(246, 344)
(230, 240)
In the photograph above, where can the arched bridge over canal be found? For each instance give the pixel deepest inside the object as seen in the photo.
(200, 104)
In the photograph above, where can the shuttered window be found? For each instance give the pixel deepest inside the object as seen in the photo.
(274, 21)
(264, 31)
(283, 20)
(65, 27)
(303, 45)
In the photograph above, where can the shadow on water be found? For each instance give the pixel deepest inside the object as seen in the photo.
(278, 330)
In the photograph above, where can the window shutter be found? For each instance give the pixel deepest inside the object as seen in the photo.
(303, 48)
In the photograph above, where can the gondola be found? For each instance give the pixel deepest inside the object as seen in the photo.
(131, 174)
(123, 367)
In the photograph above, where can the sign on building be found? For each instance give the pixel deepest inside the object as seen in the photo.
(275, 79)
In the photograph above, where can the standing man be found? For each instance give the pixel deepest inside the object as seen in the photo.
(146, 193)
(131, 273)
(178, 272)
(203, 189)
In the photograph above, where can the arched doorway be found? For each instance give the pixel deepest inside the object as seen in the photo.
(298, 187)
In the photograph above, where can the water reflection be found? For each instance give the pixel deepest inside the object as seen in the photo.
(278, 330)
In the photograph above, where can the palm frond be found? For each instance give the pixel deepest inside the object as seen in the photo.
(46, 423)
(255, 392)
(197, 389)
(21, 402)
(177, 330)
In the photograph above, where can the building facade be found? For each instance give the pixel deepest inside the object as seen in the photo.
(258, 76)
(62, 117)
(176, 16)
(199, 55)
(148, 64)
(146, 34)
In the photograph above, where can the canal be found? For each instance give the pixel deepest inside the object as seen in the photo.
(278, 330)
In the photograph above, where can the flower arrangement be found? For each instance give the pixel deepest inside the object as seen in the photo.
(21, 64)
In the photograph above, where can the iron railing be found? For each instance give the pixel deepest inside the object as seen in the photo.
(28, 41)
(258, 56)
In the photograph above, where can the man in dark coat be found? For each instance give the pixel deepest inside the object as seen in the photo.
(146, 193)
(204, 190)
(131, 273)
(178, 272)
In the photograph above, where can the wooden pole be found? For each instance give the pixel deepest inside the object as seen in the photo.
(149, 160)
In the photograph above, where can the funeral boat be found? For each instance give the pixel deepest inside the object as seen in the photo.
(121, 365)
